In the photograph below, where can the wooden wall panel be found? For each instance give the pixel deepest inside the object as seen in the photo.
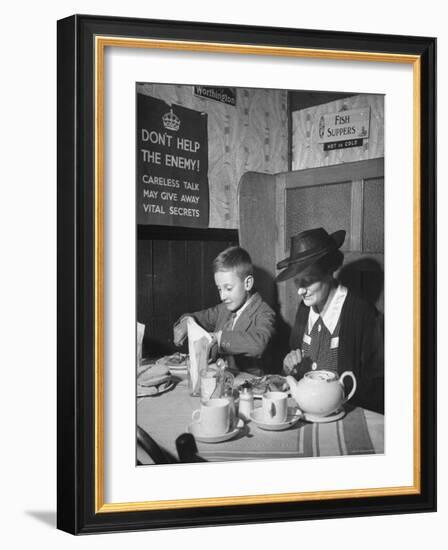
(174, 277)
(251, 136)
(363, 269)
(144, 281)
(313, 205)
(373, 230)
(192, 275)
(258, 229)
(308, 153)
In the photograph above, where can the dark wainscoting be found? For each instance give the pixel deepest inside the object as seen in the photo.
(174, 276)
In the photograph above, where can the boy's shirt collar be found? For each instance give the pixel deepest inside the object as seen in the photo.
(238, 312)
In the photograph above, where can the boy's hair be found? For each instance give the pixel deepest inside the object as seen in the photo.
(234, 258)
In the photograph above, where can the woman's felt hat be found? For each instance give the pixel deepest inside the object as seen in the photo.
(306, 248)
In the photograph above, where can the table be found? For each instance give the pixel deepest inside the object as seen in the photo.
(164, 417)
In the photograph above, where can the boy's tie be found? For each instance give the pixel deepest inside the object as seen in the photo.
(228, 325)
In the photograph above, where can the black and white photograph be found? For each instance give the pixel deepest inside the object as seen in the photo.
(260, 273)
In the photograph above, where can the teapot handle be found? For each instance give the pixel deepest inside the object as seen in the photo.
(341, 380)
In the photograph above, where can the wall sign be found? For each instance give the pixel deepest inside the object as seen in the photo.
(172, 164)
(332, 145)
(224, 95)
(344, 126)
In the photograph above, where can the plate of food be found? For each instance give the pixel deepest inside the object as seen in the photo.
(177, 364)
(262, 384)
(176, 361)
(154, 381)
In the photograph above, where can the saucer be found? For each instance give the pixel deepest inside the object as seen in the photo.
(195, 429)
(323, 419)
(152, 391)
(294, 415)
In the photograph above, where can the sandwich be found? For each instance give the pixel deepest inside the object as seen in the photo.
(154, 376)
(176, 360)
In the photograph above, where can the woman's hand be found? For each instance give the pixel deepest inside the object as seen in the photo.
(291, 361)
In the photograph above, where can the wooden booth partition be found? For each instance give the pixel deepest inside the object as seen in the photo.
(347, 196)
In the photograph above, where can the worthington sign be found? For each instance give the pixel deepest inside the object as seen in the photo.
(224, 95)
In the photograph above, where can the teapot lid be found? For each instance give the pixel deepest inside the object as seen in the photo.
(322, 375)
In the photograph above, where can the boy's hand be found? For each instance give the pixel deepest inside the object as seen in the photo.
(180, 331)
(291, 361)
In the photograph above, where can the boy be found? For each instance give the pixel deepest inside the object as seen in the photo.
(242, 324)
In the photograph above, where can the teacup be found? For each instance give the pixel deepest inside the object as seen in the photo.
(275, 407)
(213, 416)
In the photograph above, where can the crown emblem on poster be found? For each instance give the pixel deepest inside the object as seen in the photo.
(171, 121)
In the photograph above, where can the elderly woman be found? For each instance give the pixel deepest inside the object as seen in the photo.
(334, 329)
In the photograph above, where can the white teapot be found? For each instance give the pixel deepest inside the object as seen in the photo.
(321, 392)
